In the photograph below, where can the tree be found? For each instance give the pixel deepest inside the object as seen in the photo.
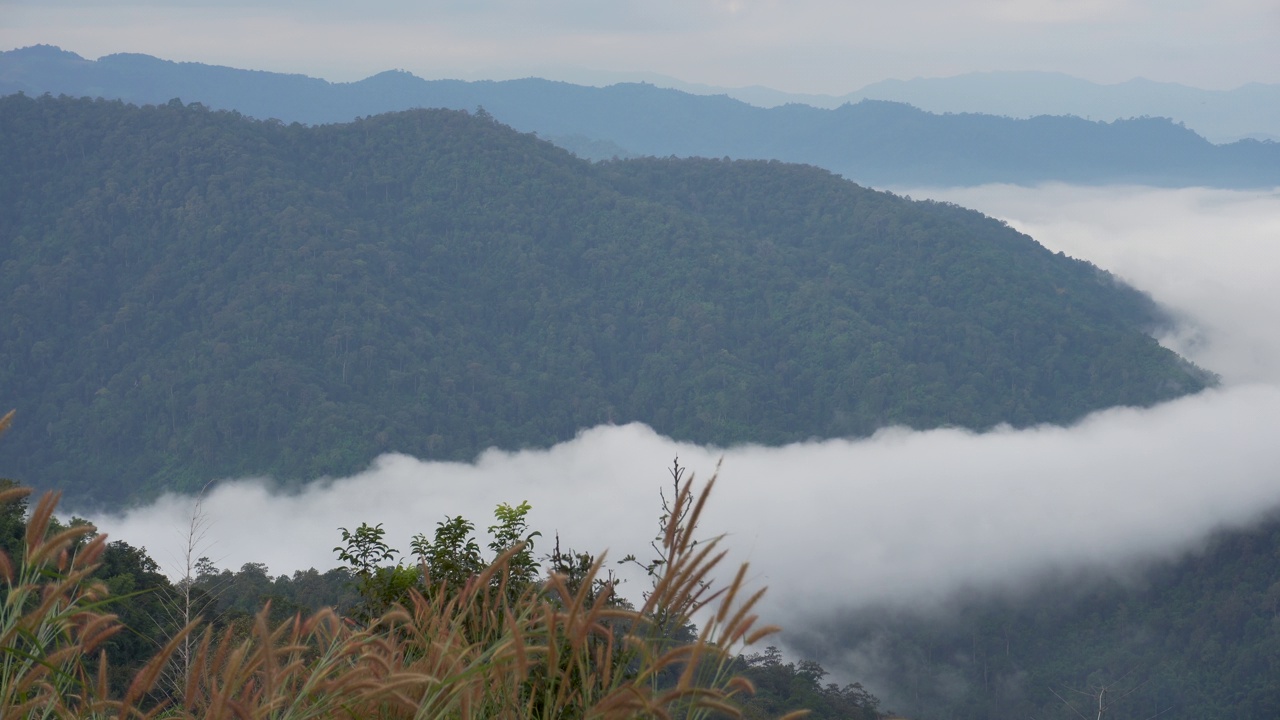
(1103, 697)
(540, 651)
(453, 556)
(511, 534)
(380, 586)
(676, 526)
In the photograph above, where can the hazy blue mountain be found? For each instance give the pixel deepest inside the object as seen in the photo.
(1249, 111)
(875, 143)
(1221, 116)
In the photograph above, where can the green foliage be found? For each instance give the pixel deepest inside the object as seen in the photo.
(379, 585)
(785, 687)
(232, 598)
(537, 651)
(365, 550)
(50, 614)
(512, 534)
(580, 573)
(13, 519)
(453, 557)
(136, 592)
(1198, 637)
(196, 295)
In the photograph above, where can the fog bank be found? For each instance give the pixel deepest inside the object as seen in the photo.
(903, 517)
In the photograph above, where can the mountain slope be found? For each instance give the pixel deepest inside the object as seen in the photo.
(195, 295)
(875, 143)
(1221, 116)
(1193, 638)
(1251, 110)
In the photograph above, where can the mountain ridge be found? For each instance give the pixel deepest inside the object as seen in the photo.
(198, 295)
(861, 142)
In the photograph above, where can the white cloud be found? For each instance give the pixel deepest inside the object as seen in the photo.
(904, 516)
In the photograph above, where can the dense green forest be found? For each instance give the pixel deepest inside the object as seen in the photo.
(872, 142)
(194, 295)
(92, 629)
(1198, 637)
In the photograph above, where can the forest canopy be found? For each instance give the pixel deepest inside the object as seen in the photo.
(194, 295)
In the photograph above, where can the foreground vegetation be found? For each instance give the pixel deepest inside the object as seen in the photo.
(456, 636)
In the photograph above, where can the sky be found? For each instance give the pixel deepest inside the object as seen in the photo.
(804, 46)
(904, 517)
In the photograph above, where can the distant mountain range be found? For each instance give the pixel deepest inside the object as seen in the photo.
(1221, 116)
(872, 142)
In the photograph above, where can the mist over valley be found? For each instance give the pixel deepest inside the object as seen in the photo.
(372, 360)
(842, 529)
(946, 438)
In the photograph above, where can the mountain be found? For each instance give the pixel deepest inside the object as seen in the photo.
(1197, 637)
(195, 295)
(873, 142)
(1221, 116)
(1249, 111)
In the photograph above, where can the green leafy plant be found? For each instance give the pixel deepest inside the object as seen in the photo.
(511, 532)
(380, 585)
(453, 556)
(493, 644)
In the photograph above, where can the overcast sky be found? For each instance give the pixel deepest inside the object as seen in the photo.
(820, 46)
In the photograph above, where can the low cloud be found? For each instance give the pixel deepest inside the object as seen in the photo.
(903, 517)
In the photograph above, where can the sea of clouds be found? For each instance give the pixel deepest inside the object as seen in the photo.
(903, 517)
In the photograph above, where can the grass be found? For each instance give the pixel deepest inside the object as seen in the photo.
(562, 647)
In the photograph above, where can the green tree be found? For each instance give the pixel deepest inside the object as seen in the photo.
(452, 557)
(511, 534)
(380, 585)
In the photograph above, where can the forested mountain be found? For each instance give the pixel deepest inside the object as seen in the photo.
(1222, 116)
(1251, 110)
(1195, 638)
(193, 294)
(872, 142)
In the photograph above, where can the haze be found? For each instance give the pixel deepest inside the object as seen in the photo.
(904, 517)
(809, 46)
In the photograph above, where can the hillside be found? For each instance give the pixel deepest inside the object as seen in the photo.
(1221, 116)
(1198, 637)
(872, 142)
(1251, 110)
(195, 295)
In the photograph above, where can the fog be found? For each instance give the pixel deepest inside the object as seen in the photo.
(903, 517)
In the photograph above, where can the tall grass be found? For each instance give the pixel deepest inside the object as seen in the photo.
(497, 647)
